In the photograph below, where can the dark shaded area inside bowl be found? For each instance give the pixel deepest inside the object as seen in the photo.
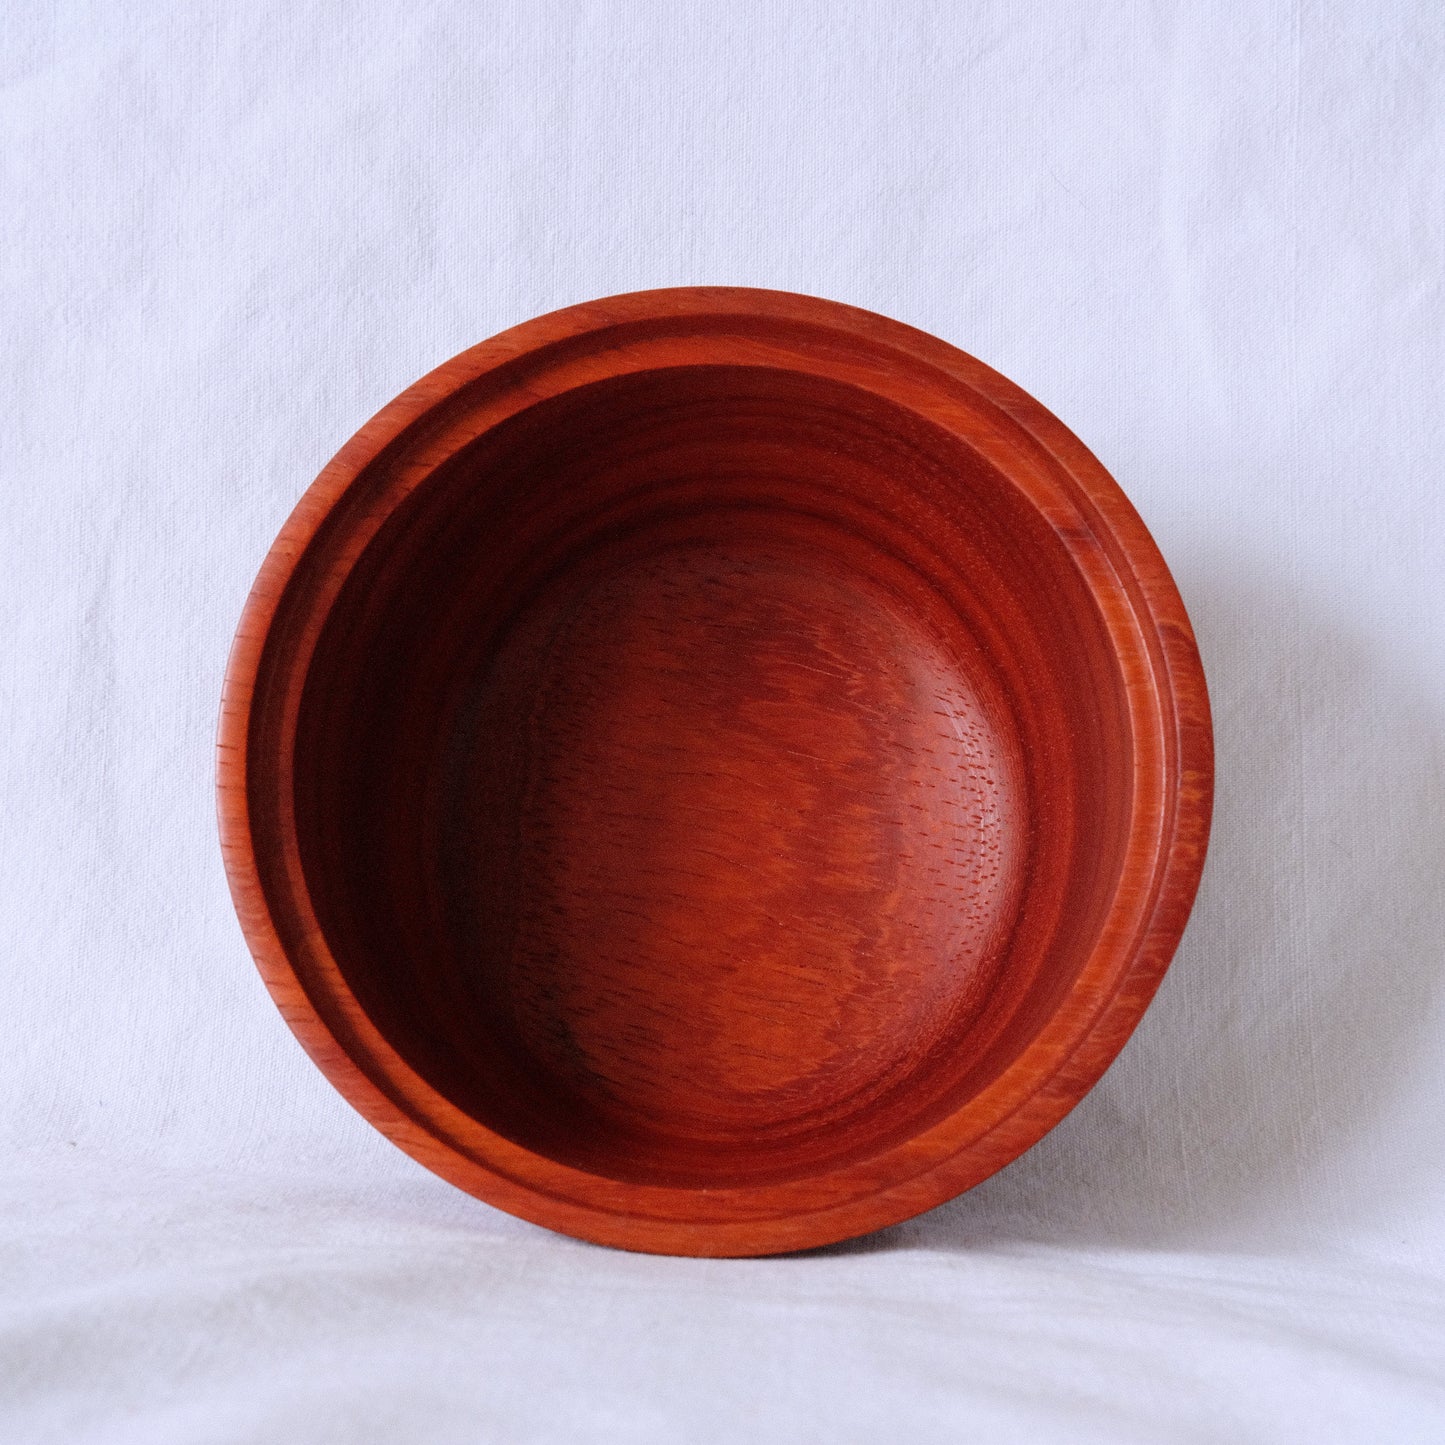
(712, 775)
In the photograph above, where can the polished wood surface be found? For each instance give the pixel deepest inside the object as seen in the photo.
(714, 771)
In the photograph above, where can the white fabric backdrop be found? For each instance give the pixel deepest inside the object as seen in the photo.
(1210, 236)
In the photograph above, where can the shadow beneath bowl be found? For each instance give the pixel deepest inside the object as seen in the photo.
(1302, 995)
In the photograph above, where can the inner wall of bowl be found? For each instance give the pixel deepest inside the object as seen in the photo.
(712, 775)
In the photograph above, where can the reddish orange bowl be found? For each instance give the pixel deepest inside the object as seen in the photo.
(714, 771)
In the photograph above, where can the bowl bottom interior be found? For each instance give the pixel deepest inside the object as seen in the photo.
(704, 843)
(734, 839)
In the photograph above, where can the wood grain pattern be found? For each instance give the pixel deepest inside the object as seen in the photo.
(714, 771)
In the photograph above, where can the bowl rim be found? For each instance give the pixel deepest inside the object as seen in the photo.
(1168, 702)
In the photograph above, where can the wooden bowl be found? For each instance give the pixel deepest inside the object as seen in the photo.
(714, 771)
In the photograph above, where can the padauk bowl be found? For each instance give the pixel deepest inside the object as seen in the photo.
(714, 771)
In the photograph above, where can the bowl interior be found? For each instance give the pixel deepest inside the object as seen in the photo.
(712, 775)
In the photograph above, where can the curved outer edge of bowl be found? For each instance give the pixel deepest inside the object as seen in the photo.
(1030, 1096)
